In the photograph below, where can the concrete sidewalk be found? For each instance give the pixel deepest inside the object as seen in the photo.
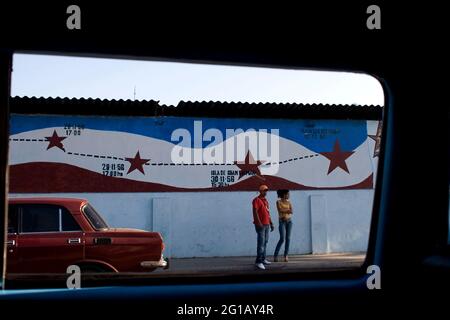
(196, 268)
(241, 265)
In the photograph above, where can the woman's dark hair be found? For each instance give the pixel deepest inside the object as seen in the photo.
(281, 193)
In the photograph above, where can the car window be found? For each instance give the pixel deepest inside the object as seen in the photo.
(68, 222)
(46, 218)
(40, 218)
(94, 218)
(191, 162)
(13, 213)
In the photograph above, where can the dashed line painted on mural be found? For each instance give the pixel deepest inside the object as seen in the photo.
(28, 140)
(165, 164)
(190, 164)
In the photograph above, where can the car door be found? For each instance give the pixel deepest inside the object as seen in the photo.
(49, 239)
(11, 242)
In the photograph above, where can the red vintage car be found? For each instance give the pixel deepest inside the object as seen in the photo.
(46, 235)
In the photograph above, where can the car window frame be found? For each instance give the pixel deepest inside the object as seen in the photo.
(349, 273)
(60, 212)
(377, 232)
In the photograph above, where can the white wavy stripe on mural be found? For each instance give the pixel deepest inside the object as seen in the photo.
(96, 142)
(314, 172)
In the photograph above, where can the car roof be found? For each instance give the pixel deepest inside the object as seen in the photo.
(48, 200)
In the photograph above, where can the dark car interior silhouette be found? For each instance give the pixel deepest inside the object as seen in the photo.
(409, 230)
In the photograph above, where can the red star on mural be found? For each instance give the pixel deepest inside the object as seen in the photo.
(337, 158)
(377, 139)
(248, 166)
(55, 141)
(136, 163)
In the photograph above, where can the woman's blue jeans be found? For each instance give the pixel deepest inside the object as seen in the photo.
(284, 227)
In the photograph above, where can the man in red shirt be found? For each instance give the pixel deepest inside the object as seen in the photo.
(262, 222)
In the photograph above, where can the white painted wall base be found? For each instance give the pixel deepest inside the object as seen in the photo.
(209, 224)
(319, 221)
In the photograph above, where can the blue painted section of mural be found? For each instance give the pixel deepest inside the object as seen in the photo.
(316, 135)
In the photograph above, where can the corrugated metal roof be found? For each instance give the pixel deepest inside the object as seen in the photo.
(280, 110)
(82, 106)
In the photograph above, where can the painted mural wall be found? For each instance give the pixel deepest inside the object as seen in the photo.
(132, 154)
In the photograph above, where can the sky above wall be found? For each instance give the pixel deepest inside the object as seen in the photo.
(171, 82)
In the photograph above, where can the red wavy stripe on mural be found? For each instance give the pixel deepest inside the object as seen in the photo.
(46, 177)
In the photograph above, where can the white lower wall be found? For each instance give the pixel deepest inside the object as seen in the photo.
(207, 224)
